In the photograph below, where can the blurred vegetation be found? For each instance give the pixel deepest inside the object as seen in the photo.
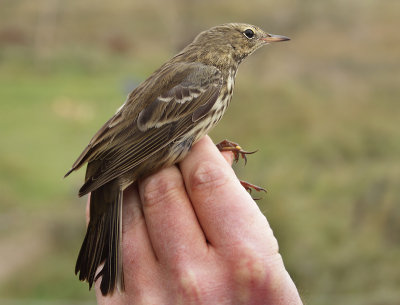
(323, 110)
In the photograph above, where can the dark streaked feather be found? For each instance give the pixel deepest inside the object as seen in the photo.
(163, 120)
(102, 137)
(102, 242)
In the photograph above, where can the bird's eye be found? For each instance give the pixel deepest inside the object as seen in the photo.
(249, 33)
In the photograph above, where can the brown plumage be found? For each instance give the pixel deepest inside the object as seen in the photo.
(156, 127)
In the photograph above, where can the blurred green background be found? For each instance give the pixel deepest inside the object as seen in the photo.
(323, 110)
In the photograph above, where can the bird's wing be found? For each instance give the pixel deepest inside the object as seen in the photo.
(194, 95)
(186, 96)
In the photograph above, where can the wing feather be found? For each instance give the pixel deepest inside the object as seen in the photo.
(167, 116)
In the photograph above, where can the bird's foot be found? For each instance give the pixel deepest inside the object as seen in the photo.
(237, 150)
(249, 187)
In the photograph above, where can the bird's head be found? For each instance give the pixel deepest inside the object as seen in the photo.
(238, 40)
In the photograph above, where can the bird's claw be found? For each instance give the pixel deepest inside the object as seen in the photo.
(249, 187)
(238, 152)
(236, 149)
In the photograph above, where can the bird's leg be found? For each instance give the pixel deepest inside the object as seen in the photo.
(249, 187)
(237, 150)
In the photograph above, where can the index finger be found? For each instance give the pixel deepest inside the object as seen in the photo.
(226, 212)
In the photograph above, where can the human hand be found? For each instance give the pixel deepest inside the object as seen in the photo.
(193, 235)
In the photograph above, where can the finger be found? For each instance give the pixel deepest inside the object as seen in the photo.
(137, 248)
(171, 222)
(228, 156)
(87, 210)
(226, 212)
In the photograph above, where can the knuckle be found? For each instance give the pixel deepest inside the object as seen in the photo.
(254, 273)
(253, 267)
(189, 286)
(208, 175)
(161, 187)
(250, 269)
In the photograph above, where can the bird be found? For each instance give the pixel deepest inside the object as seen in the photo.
(157, 125)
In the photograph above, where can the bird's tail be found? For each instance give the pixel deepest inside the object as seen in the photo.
(102, 243)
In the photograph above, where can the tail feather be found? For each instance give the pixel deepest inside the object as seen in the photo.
(102, 243)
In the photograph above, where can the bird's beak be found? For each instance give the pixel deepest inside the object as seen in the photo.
(274, 38)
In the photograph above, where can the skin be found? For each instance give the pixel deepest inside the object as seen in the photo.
(193, 235)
